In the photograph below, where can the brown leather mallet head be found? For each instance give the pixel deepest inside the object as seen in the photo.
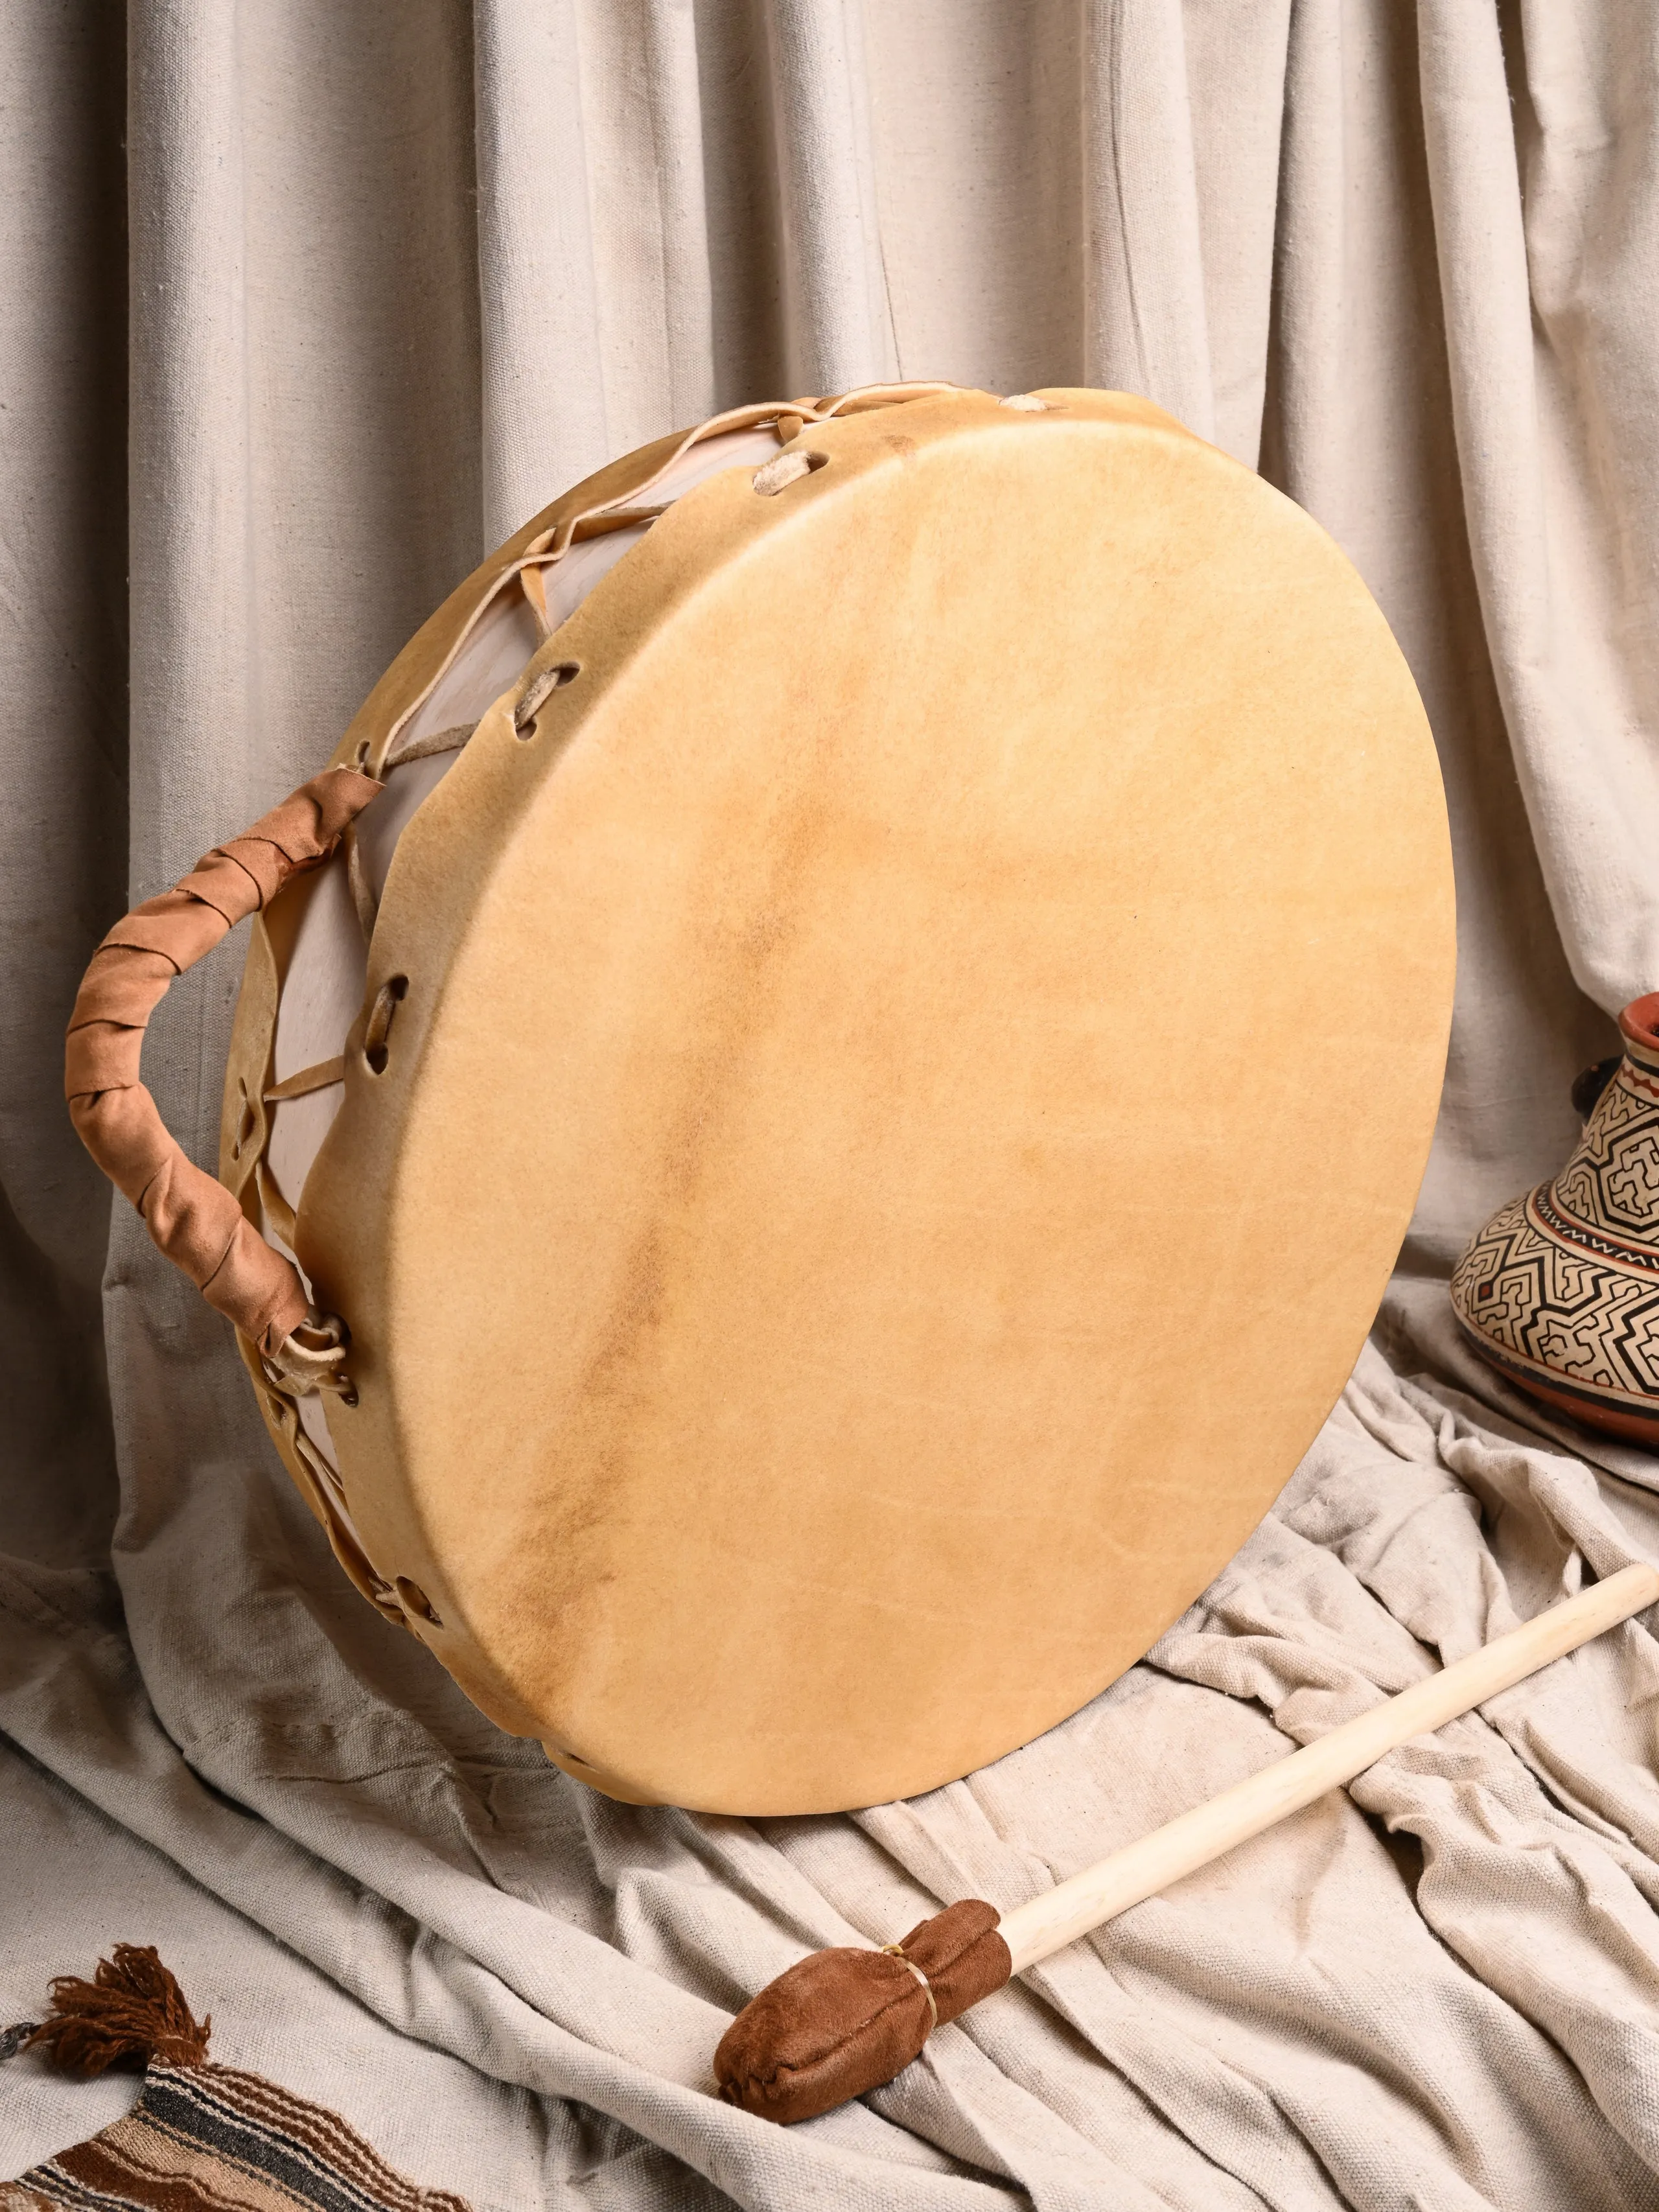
(844, 2022)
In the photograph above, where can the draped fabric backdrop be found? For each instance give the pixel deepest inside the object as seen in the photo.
(307, 305)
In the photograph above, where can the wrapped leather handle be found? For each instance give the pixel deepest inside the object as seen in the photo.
(193, 1218)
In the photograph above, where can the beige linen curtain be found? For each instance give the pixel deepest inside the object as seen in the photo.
(302, 306)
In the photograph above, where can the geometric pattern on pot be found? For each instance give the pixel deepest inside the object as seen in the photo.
(1561, 1288)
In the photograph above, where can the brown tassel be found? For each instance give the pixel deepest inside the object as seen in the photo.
(131, 2012)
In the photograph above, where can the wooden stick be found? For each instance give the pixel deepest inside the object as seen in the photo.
(1101, 1892)
(843, 2021)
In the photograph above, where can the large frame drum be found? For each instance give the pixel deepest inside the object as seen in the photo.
(858, 1088)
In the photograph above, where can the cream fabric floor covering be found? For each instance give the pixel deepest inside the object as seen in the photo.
(360, 289)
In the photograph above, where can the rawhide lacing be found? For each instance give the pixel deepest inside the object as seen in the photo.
(627, 507)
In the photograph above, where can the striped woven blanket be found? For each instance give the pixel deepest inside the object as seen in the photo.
(202, 2137)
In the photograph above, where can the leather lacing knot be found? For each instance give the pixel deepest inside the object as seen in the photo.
(897, 1951)
(308, 1357)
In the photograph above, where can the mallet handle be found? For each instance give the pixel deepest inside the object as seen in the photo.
(1049, 1922)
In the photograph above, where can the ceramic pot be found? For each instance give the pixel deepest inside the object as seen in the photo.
(1560, 1290)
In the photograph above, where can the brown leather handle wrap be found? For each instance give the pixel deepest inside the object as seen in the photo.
(842, 2022)
(193, 1218)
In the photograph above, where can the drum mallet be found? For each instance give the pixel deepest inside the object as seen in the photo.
(844, 2022)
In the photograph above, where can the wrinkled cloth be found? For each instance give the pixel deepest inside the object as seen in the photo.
(304, 308)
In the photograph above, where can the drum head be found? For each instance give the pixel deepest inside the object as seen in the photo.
(894, 1097)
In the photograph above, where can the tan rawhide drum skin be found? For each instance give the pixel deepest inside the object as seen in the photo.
(889, 1074)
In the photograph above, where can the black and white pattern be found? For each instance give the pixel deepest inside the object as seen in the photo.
(1561, 1287)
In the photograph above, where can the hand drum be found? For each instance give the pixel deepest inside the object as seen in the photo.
(855, 1090)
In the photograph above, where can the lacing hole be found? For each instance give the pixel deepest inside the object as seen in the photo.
(415, 1599)
(248, 1123)
(538, 691)
(387, 1001)
(1025, 403)
(772, 476)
